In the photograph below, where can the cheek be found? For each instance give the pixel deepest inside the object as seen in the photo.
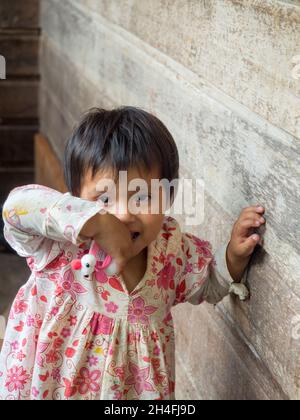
(159, 202)
(85, 194)
(152, 225)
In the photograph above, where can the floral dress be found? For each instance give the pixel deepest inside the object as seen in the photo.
(72, 338)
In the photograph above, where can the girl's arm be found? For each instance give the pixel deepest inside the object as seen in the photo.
(205, 276)
(37, 218)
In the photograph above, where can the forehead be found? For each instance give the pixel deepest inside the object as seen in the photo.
(132, 173)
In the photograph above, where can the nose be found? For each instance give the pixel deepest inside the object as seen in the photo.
(126, 217)
(123, 213)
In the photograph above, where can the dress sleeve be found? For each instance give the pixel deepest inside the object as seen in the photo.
(204, 276)
(37, 218)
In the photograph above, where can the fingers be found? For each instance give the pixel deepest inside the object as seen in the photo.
(254, 222)
(254, 209)
(129, 250)
(244, 236)
(249, 221)
(247, 247)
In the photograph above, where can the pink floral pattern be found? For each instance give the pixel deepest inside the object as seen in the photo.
(88, 381)
(166, 277)
(101, 324)
(69, 285)
(138, 312)
(111, 307)
(17, 378)
(139, 378)
(73, 338)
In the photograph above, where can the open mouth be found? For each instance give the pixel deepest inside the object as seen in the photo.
(135, 235)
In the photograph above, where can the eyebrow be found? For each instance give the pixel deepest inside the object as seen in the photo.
(95, 192)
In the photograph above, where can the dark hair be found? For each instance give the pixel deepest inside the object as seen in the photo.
(117, 140)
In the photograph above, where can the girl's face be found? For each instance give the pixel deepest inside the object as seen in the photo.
(143, 225)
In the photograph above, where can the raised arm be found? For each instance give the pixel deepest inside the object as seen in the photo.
(35, 217)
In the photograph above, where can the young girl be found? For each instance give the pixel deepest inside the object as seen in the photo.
(108, 336)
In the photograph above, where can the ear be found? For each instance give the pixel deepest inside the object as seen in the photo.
(76, 264)
(106, 262)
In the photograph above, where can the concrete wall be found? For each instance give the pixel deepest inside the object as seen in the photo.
(219, 74)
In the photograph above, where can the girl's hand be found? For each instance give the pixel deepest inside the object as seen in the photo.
(113, 237)
(243, 240)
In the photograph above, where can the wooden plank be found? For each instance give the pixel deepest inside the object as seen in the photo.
(16, 145)
(58, 94)
(266, 320)
(244, 154)
(21, 54)
(224, 145)
(218, 363)
(19, 99)
(19, 13)
(216, 40)
(11, 177)
(48, 169)
(257, 161)
(264, 338)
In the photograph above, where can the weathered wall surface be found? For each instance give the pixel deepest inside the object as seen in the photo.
(219, 74)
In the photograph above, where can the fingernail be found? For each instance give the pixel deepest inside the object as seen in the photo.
(255, 237)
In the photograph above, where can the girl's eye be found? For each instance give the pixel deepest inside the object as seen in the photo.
(141, 198)
(104, 199)
(144, 197)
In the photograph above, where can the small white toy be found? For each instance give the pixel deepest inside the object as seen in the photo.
(95, 261)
